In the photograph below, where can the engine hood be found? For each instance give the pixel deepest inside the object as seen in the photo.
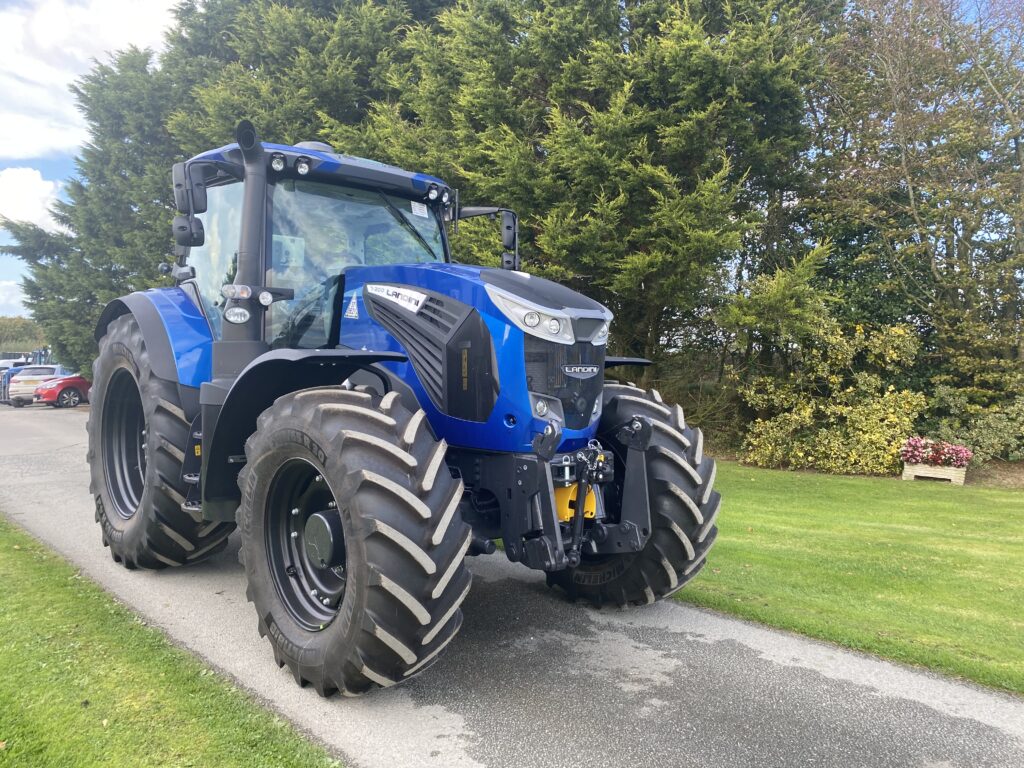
(480, 342)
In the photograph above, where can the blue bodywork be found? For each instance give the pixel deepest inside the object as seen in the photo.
(189, 333)
(462, 283)
(191, 339)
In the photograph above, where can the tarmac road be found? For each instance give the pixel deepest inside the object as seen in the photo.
(532, 680)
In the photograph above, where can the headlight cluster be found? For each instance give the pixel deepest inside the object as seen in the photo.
(543, 322)
(537, 321)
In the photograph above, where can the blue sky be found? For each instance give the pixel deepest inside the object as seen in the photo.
(48, 44)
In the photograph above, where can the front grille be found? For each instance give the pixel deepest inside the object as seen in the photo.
(450, 349)
(423, 341)
(545, 375)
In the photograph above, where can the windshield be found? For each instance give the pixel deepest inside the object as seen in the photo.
(318, 230)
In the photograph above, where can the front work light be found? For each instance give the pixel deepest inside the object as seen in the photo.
(433, 192)
(232, 291)
(302, 166)
(236, 315)
(277, 162)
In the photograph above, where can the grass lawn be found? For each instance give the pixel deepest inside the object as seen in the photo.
(924, 573)
(84, 683)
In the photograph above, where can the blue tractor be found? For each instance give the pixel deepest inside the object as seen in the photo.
(368, 412)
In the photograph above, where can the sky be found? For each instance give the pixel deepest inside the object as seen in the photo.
(46, 46)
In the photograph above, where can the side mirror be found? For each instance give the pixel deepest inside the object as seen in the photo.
(189, 187)
(197, 177)
(180, 188)
(509, 230)
(188, 231)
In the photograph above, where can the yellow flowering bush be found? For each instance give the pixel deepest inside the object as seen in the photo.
(825, 417)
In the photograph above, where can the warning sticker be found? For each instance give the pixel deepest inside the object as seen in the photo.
(352, 310)
(419, 209)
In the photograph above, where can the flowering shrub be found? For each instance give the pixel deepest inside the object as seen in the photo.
(937, 453)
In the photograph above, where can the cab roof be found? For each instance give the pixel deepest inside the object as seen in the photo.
(326, 166)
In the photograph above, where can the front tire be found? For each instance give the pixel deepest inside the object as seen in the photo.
(137, 436)
(378, 604)
(684, 507)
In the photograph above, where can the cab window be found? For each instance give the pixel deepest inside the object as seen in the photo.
(319, 230)
(216, 259)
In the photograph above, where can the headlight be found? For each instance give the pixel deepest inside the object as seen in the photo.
(533, 319)
(48, 385)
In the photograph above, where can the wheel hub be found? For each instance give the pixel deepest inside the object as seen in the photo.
(322, 536)
(305, 543)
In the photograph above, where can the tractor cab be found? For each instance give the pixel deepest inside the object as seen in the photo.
(324, 214)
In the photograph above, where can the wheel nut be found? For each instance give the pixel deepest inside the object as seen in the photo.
(295, 511)
(318, 478)
(332, 504)
(314, 593)
(325, 601)
(295, 534)
(636, 425)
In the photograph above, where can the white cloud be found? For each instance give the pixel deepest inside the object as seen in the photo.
(26, 196)
(47, 44)
(10, 299)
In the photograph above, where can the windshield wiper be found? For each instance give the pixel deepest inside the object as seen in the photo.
(406, 224)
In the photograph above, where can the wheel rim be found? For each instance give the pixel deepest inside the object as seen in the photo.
(124, 443)
(310, 581)
(69, 397)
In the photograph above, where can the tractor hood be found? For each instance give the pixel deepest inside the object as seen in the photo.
(494, 354)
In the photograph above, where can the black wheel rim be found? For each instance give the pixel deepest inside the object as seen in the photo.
(311, 591)
(124, 443)
(69, 397)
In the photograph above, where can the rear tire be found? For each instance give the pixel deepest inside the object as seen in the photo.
(684, 508)
(393, 602)
(137, 436)
(18, 403)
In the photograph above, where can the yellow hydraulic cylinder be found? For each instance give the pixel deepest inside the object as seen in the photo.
(565, 503)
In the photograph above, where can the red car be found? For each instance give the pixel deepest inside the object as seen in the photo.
(64, 392)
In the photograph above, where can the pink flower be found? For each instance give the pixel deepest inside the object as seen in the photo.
(939, 453)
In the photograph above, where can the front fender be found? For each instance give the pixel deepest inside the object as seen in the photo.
(229, 419)
(176, 332)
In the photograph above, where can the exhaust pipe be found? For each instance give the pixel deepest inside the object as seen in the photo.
(251, 238)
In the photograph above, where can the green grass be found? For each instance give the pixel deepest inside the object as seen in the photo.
(924, 573)
(85, 683)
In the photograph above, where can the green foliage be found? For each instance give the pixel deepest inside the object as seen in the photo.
(822, 400)
(19, 334)
(994, 432)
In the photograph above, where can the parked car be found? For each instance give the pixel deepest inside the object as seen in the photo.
(22, 388)
(63, 392)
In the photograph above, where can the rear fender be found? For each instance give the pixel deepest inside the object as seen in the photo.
(230, 418)
(177, 337)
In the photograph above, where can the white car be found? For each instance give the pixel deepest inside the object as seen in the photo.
(23, 386)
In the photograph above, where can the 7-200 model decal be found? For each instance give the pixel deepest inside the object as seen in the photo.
(403, 297)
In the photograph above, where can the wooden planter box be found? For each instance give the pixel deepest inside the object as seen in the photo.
(955, 475)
